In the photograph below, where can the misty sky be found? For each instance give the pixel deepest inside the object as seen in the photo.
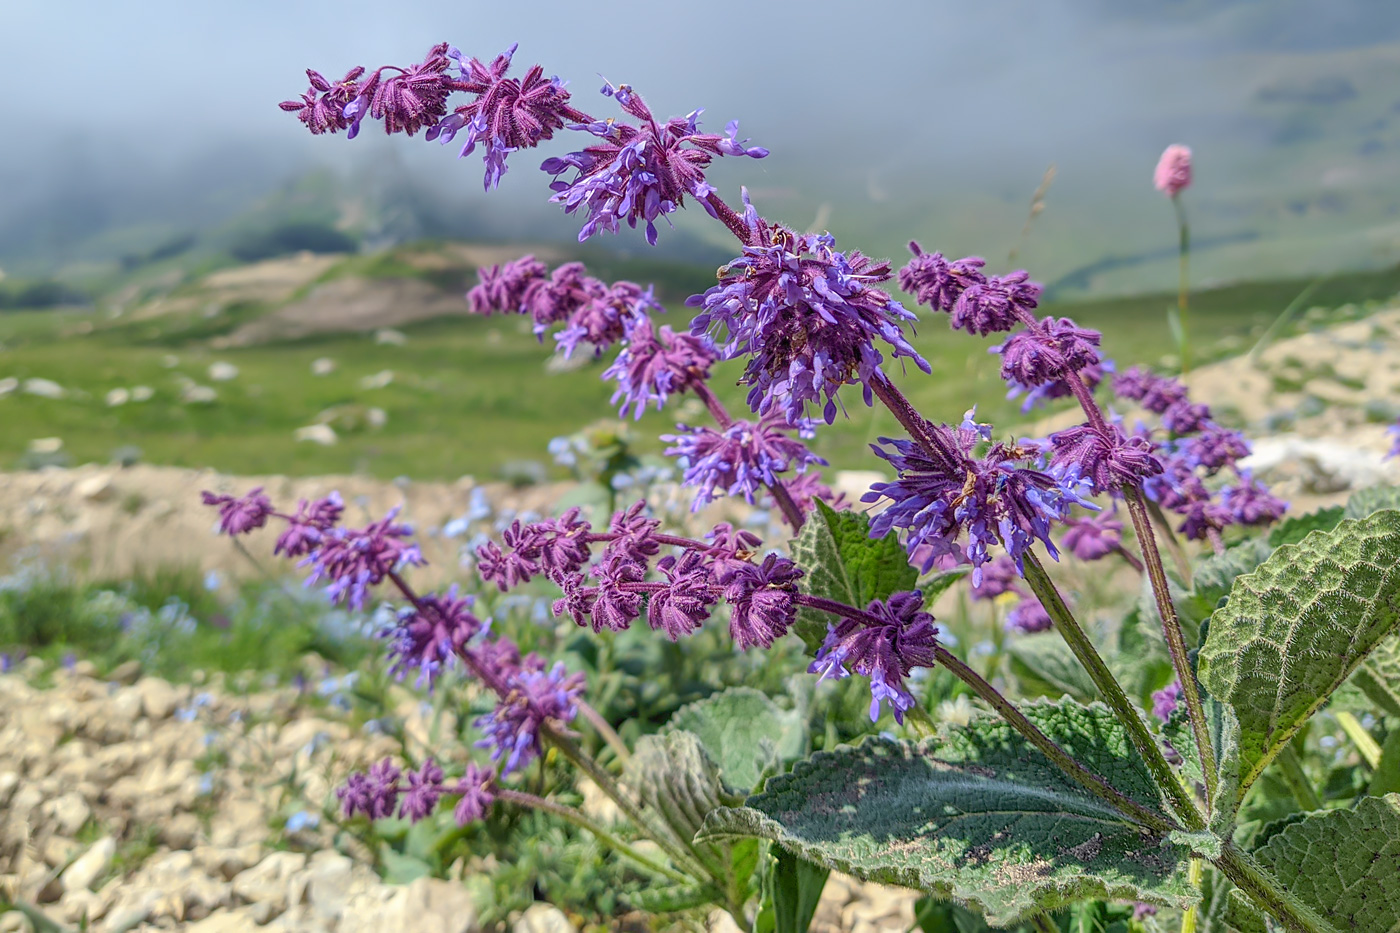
(958, 99)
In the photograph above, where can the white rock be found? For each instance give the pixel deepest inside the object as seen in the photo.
(95, 488)
(46, 445)
(158, 698)
(719, 921)
(8, 385)
(222, 372)
(322, 434)
(238, 920)
(170, 361)
(198, 394)
(543, 918)
(8, 782)
(376, 418)
(44, 388)
(322, 366)
(142, 393)
(118, 396)
(89, 866)
(68, 812)
(379, 380)
(388, 337)
(266, 882)
(325, 885)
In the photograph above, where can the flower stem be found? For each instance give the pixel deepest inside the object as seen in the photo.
(1047, 746)
(1183, 290)
(1171, 630)
(1370, 751)
(729, 218)
(1079, 642)
(605, 729)
(1297, 779)
(580, 820)
(1268, 894)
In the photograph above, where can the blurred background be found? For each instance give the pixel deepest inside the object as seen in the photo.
(195, 280)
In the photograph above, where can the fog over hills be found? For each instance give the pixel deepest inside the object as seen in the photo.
(932, 119)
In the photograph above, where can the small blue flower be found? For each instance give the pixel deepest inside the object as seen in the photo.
(302, 819)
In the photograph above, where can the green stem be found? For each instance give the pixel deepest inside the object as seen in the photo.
(605, 729)
(1268, 894)
(1370, 751)
(1183, 283)
(1112, 692)
(1171, 630)
(1296, 778)
(1043, 924)
(579, 819)
(1047, 746)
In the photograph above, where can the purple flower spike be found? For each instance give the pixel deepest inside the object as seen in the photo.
(307, 528)
(741, 459)
(651, 368)
(502, 288)
(420, 797)
(240, 515)
(373, 794)
(936, 282)
(1251, 503)
(688, 599)
(322, 107)
(427, 639)
(606, 317)
(1108, 459)
(537, 697)
(944, 496)
(639, 173)
(478, 789)
(1215, 448)
(1156, 393)
(1028, 617)
(761, 599)
(999, 576)
(996, 304)
(1092, 538)
(508, 113)
(886, 653)
(355, 559)
(1165, 701)
(808, 316)
(807, 489)
(1047, 351)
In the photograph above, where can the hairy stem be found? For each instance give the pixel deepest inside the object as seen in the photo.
(580, 820)
(1291, 767)
(1183, 290)
(729, 218)
(1111, 691)
(1183, 563)
(1171, 630)
(1268, 894)
(605, 729)
(1047, 746)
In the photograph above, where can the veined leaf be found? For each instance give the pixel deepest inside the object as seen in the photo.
(1368, 501)
(1045, 666)
(977, 816)
(795, 886)
(1379, 676)
(1296, 628)
(1295, 528)
(844, 563)
(1344, 864)
(744, 732)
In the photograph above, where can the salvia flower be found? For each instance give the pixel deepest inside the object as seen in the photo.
(420, 797)
(886, 653)
(355, 559)
(537, 697)
(1037, 395)
(1215, 448)
(1092, 538)
(1165, 701)
(322, 107)
(477, 786)
(948, 496)
(307, 528)
(807, 489)
(689, 596)
(807, 316)
(1046, 351)
(374, 794)
(414, 98)
(427, 637)
(761, 599)
(1173, 173)
(508, 114)
(553, 547)
(640, 173)
(995, 304)
(936, 282)
(502, 288)
(239, 515)
(1156, 393)
(1028, 617)
(606, 317)
(1104, 456)
(653, 366)
(1250, 503)
(999, 576)
(741, 459)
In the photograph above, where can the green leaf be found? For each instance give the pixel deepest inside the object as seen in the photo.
(1045, 666)
(1344, 864)
(844, 563)
(936, 584)
(1295, 629)
(669, 899)
(1379, 676)
(744, 732)
(1297, 527)
(977, 816)
(1386, 779)
(1368, 501)
(1213, 578)
(933, 916)
(796, 889)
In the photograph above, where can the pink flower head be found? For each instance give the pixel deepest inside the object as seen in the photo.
(1173, 174)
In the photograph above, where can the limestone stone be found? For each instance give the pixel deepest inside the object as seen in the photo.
(267, 881)
(158, 698)
(89, 866)
(543, 918)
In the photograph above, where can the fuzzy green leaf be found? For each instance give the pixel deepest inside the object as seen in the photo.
(1344, 864)
(1295, 629)
(977, 816)
(1379, 676)
(1297, 527)
(744, 732)
(795, 885)
(844, 563)
(1368, 501)
(1045, 666)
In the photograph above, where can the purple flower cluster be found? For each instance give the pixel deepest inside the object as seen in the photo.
(1105, 456)
(895, 637)
(639, 173)
(1001, 577)
(807, 317)
(1196, 449)
(428, 636)
(591, 311)
(407, 101)
(977, 303)
(1093, 537)
(652, 366)
(416, 795)
(537, 695)
(239, 515)
(352, 560)
(961, 504)
(1042, 353)
(554, 547)
(740, 460)
(1166, 700)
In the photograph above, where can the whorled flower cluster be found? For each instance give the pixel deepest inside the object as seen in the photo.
(743, 459)
(975, 302)
(807, 317)
(893, 637)
(385, 788)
